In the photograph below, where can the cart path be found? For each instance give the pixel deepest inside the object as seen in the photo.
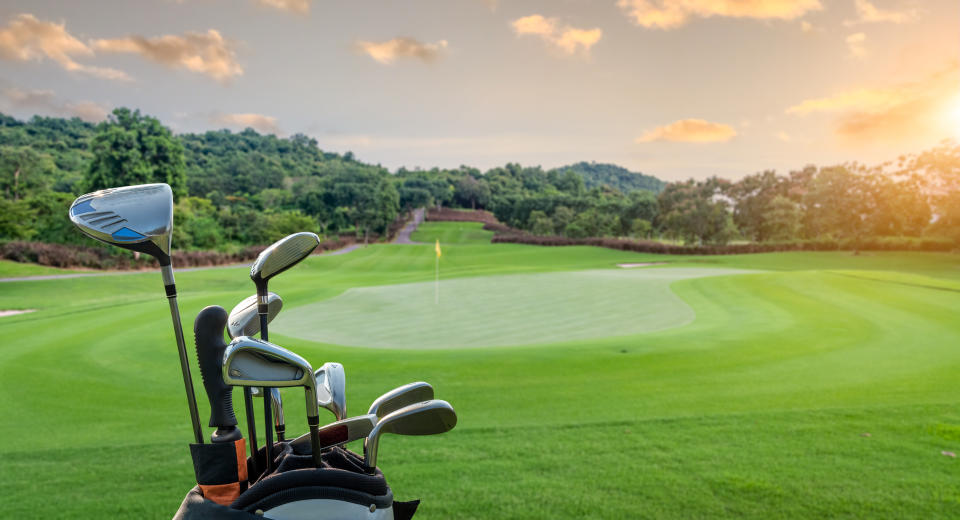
(40, 278)
(403, 236)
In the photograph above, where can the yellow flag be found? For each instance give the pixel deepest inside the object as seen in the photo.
(439, 254)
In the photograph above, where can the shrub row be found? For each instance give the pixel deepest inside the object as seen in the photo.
(461, 215)
(647, 246)
(72, 256)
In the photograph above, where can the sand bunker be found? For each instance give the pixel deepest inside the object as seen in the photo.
(14, 313)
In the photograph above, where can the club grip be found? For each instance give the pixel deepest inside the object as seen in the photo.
(208, 334)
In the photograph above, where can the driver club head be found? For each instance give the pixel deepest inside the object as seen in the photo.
(244, 320)
(139, 218)
(426, 418)
(332, 389)
(401, 396)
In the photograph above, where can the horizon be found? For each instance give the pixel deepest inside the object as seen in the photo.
(738, 89)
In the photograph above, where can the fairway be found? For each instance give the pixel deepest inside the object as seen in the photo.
(794, 385)
(499, 310)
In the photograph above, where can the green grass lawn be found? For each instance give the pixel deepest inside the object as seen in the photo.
(824, 387)
(10, 269)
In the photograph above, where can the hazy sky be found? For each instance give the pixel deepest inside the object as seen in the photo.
(673, 88)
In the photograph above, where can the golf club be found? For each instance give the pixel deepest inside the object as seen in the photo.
(278, 422)
(426, 418)
(251, 362)
(341, 432)
(140, 218)
(401, 396)
(244, 321)
(275, 259)
(332, 389)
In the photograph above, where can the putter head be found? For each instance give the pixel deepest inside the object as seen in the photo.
(139, 218)
(332, 389)
(282, 255)
(426, 418)
(253, 362)
(340, 432)
(401, 396)
(244, 320)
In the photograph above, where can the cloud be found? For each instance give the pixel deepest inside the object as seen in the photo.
(261, 123)
(26, 38)
(205, 53)
(402, 47)
(293, 6)
(566, 38)
(855, 44)
(783, 136)
(690, 131)
(870, 13)
(806, 26)
(916, 110)
(670, 14)
(46, 101)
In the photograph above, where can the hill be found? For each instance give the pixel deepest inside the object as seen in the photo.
(599, 174)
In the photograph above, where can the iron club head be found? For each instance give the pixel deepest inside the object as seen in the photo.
(426, 418)
(401, 396)
(332, 389)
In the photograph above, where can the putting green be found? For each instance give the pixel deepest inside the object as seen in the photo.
(501, 310)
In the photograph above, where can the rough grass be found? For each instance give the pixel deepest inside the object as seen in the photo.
(825, 388)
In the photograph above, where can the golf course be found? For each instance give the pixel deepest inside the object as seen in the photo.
(802, 385)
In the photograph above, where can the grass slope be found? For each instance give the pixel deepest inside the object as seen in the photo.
(759, 408)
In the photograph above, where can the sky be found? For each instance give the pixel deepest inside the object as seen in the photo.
(671, 88)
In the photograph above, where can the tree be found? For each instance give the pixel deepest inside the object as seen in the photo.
(15, 220)
(472, 192)
(782, 220)
(130, 148)
(696, 212)
(541, 223)
(24, 171)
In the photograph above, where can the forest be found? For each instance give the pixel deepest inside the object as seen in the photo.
(237, 189)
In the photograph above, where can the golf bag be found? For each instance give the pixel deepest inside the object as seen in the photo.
(295, 490)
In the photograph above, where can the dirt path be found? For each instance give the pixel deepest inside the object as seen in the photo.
(341, 251)
(403, 236)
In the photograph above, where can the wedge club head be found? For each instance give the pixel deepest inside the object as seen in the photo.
(426, 418)
(401, 396)
(332, 389)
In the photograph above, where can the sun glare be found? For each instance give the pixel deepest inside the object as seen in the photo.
(953, 118)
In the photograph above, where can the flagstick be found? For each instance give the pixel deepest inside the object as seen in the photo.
(436, 282)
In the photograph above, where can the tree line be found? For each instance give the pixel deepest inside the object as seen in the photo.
(235, 189)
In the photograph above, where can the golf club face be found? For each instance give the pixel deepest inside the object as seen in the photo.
(282, 255)
(139, 218)
(253, 362)
(332, 389)
(426, 418)
(401, 396)
(244, 320)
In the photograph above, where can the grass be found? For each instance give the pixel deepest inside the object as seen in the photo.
(823, 388)
(10, 269)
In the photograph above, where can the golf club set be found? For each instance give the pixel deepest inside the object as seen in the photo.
(312, 476)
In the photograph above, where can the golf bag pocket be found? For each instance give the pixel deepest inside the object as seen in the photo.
(319, 493)
(221, 470)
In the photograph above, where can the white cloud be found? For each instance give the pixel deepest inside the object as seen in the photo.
(46, 101)
(261, 123)
(867, 12)
(855, 43)
(26, 38)
(690, 131)
(206, 53)
(566, 38)
(670, 14)
(402, 47)
(906, 111)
